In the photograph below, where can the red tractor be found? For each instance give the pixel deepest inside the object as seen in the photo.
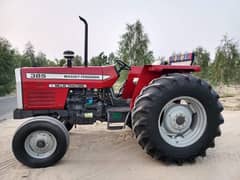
(174, 115)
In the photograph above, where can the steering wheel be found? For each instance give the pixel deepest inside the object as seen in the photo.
(122, 65)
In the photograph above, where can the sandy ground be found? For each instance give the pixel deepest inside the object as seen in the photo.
(97, 153)
(230, 97)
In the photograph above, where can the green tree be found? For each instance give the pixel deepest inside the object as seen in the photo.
(226, 64)
(133, 46)
(202, 59)
(18, 58)
(60, 62)
(99, 60)
(112, 58)
(28, 56)
(51, 63)
(237, 69)
(7, 65)
(40, 60)
(77, 60)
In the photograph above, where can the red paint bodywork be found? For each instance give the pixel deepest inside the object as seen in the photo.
(37, 95)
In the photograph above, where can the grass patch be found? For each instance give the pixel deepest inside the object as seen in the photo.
(120, 81)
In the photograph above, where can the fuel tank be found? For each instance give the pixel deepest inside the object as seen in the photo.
(47, 87)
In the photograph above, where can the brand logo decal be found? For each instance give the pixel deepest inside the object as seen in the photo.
(67, 85)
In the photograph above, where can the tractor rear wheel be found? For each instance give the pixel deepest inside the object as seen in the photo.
(177, 117)
(40, 142)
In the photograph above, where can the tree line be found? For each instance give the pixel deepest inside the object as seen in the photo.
(133, 49)
(225, 67)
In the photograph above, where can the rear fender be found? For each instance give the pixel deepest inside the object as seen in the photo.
(145, 74)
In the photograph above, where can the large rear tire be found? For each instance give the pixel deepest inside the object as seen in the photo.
(40, 142)
(177, 117)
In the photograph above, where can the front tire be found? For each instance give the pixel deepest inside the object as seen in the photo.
(177, 117)
(40, 142)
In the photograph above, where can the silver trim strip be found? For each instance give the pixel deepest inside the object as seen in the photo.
(19, 88)
(66, 76)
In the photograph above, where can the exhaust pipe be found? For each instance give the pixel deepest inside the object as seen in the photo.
(85, 41)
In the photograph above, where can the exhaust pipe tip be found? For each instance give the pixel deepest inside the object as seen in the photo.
(86, 41)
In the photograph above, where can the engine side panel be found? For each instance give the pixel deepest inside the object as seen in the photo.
(47, 88)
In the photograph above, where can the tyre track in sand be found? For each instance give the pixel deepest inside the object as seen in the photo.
(8, 163)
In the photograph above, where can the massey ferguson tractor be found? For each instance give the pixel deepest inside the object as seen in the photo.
(174, 115)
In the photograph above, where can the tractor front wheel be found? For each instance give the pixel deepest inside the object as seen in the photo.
(177, 117)
(40, 142)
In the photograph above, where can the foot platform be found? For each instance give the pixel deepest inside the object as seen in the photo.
(117, 116)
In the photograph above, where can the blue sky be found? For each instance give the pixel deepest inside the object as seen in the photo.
(172, 25)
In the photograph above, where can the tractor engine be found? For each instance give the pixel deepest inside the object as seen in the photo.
(85, 106)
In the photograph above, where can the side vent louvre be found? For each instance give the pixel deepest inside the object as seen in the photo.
(41, 98)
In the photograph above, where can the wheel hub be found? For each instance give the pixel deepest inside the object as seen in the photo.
(182, 121)
(40, 144)
(178, 118)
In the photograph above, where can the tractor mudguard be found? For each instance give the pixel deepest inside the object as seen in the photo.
(140, 76)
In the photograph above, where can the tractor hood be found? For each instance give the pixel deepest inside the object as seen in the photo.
(41, 87)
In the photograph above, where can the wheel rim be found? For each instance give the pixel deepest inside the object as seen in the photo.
(40, 144)
(182, 121)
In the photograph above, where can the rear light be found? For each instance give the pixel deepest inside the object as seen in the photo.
(182, 58)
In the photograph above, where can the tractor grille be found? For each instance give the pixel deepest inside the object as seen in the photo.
(41, 98)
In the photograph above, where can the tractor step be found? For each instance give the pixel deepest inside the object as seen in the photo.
(117, 116)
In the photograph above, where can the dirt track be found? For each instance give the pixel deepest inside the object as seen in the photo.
(97, 153)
